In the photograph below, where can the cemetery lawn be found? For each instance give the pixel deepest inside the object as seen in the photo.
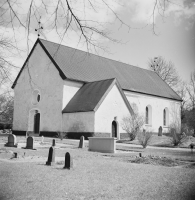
(161, 141)
(95, 175)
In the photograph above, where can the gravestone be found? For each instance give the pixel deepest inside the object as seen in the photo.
(81, 143)
(30, 143)
(68, 161)
(11, 141)
(160, 131)
(42, 139)
(15, 154)
(53, 143)
(192, 147)
(51, 156)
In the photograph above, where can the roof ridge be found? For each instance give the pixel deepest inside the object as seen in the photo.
(101, 80)
(99, 56)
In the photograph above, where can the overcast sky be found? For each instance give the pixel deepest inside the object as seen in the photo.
(174, 39)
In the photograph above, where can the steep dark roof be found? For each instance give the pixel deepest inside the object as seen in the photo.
(90, 96)
(78, 65)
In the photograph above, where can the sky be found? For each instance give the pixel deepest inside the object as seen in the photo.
(174, 37)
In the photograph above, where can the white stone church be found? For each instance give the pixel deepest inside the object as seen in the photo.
(61, 89)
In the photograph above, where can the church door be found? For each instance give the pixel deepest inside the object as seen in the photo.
(36, 122)
(114, 129)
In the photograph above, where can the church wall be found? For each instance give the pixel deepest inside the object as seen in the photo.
(157, 106)
(69, 90)
(112, 106)
(78, 122)
(42, 75)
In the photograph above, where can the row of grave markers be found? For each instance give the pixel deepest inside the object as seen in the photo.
(68, 164)
(12, 142)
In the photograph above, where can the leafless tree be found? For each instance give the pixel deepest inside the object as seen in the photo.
(132, 123)
(182, 92)
(6, 66)
(189, 111)
(80, 17)
(64, 15)
(6, 108)
(191, 91)
(166, 70)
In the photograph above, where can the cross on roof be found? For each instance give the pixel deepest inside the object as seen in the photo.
(39, 28)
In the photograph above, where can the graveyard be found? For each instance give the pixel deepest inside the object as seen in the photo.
(51, 168)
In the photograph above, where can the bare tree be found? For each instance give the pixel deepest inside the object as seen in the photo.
(191, 91)
(75, 15)
(6, 66)
(65, 17)
(132, 123)
(6, 109)
(182, 92)
(190, 112)
(165, 69)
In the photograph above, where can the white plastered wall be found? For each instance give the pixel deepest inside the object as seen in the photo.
(112, 106)
(157, 104)
(69, 90)
(40, 74)
(78, 122)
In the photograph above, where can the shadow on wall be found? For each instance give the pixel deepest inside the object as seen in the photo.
(77, 130)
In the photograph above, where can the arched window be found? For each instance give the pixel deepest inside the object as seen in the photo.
(165, 117)
(148, 117)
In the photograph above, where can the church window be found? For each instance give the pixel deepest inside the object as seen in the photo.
(36, 97)
(148, 115)
(165, 117)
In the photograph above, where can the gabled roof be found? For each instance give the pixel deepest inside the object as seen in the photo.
(90, 96)
(78, 65)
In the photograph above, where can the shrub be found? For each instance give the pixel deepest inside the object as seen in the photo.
(132, 123)
(144, 138)
(5, 126)
(177, 138)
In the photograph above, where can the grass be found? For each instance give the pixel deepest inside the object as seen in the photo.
(157, 160)
(161, 141)
(94, 175)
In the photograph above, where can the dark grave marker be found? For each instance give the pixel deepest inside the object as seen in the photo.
(192, 147)
(51, 156)
(68, 161)
(53, 142)
(160, 131)
(81, 143)
(30, 143)
(15, 155)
